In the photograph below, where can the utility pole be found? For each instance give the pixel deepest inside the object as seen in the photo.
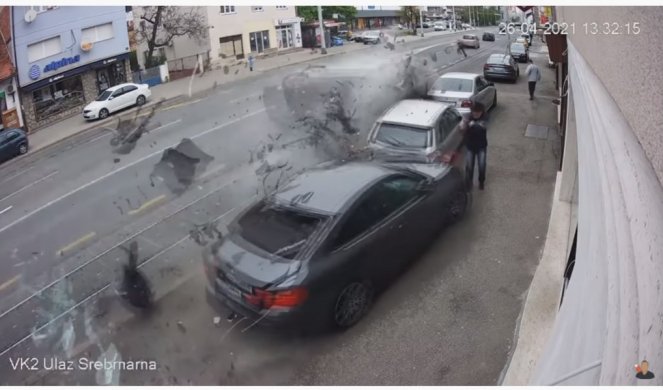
(323, 43)
(453, 11)
(421, 20)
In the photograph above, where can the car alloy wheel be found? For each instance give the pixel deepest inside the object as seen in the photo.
(457, 206)
(352, 303)
(23, 149)
(103, 113)
(140, 100)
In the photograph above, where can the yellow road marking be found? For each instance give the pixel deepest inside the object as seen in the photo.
(8, 283)
(148, 204)
(76, 243)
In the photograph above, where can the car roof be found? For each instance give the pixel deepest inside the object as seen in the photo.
(498, 57)
(415, 112)
(328, 190)
(459, 75)
(116, 87)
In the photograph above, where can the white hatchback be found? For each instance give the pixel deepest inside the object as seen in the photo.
(116, 98)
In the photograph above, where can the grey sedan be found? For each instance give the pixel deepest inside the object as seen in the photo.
(461, 89)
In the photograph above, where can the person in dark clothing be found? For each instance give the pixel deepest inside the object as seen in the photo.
(643, 371)
(461, 48)
(476, 144)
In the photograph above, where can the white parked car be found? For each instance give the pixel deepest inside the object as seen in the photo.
(116, 98)
(440, 26)
(460, 90)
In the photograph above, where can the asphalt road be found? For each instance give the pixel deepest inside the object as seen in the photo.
(71, 210)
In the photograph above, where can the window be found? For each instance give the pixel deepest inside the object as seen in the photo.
(279, 231)
(44, 49)
(382, 200)
(58, 97)
(257, 9)
(129, 88)
(481, 83)
(12, 136)
(118, 92)
(281, 7)
(227, 9)
(403, 136)
(259, 41)
(447, 124)
(98, 33)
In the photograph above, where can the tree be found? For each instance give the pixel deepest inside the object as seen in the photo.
(161, 24)
(410, 15)
(310, 13)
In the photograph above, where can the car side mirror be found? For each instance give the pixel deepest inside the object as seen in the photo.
(111, 98)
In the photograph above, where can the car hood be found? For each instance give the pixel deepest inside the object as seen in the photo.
(433, 171)
(95, 105)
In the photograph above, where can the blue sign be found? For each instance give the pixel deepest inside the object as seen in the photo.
(35, 72)
(55, 65)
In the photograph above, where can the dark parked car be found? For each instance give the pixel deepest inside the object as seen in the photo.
(501, 66)
(13, 142)
(488, 37)
(519, 52)
(313, 254)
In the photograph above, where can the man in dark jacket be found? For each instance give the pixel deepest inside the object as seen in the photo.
(476, 143)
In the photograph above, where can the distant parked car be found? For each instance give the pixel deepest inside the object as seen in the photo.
(336, 41)
(488, 37)
(522, 41)
(470, 40)
(461, 89)
(116, 98)
(440, 26)
(315, 254)
(13, 142)
(501, 66)
(519, 52)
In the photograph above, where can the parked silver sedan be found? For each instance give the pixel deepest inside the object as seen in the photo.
(470, 40)
(460, 89)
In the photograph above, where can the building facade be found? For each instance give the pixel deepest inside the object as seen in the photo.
(10, 105)
(66, 56)
(611, 316)
(376, 17)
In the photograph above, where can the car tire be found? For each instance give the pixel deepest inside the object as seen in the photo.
(494, 102)
(457, 206)
(351, 304)
(140, 100)
(103, 113)
(22, 148)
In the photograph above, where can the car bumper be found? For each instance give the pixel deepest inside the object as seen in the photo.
(267, 318)
(497, 75)
(90, 115)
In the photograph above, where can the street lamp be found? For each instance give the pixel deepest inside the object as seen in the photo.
(323, 43)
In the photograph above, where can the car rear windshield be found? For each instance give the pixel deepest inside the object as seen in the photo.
(468, 37)
(403, 136)
(453, 85)
(498, 59)
(517, 47)
(104, 95)
(277, 230)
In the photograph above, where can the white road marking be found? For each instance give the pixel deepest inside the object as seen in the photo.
(5, 210)
(28, 186)
(97, 180)
(18, 174)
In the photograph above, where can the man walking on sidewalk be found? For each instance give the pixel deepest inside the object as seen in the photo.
(476, 144)
(461, 48)
(533, 75)
(252, 61)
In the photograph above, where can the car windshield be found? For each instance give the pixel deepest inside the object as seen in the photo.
(449, 84)
(402, 136)
(104, 95)
(276, 230)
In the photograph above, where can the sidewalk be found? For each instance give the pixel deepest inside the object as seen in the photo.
(178, 89)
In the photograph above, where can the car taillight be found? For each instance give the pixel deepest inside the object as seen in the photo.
(283, 298)
(466, 103)
(486, 66)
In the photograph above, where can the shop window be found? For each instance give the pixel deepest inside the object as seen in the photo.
(227, 9)
(44, 49)
(257, 9)
(3, 102)
(98, 33)
(58, 97)
(259, 41)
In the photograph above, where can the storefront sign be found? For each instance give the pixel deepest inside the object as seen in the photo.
(55, 65)
(288, 21)
(109, 61)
